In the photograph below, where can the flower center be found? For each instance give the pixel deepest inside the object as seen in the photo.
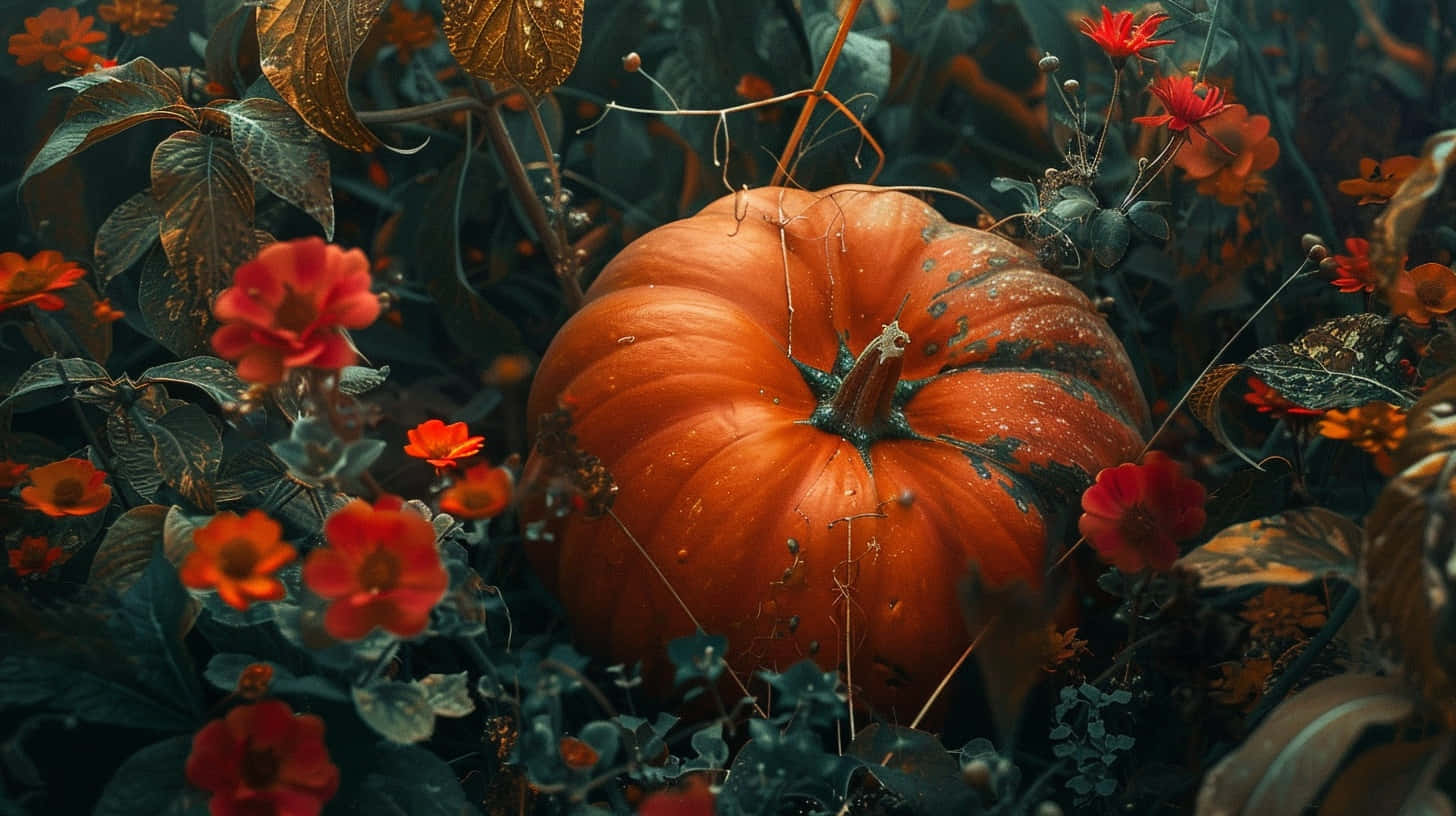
(296, 311)
(1139, 526)
(259, 768)
(1430, 293)
(237, 558)
(68, 492)
(475, 499)
(379, 572)
(29, 280)
(55, 36)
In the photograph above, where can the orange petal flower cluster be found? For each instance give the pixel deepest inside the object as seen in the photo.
(1279, 612)
(483, 493)
(1228, 154)
(1375, 427)
(237, 557)
(34, 555)
(1424, 292)
(32, 281)
(408, 31)
(1121, 38)
(442, 445)
(70, 487)
(263, 758)
(137, 17)
(1378, 180)
(287, 308)
(1135, 515)
(54, 38)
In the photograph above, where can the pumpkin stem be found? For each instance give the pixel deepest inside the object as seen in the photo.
(860, 407)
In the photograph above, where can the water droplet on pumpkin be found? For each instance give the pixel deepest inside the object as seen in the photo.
(682, 555)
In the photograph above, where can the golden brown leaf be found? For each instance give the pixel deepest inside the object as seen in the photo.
(307, 47)
(1396, 779)
(531, 43)
(1289, 548)
(1393, 228)
(1203, 402)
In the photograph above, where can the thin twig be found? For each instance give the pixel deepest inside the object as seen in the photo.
(944, 681)
(1207, 42)
(820, 83)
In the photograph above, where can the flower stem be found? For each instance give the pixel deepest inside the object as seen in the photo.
(1107, 120)
(1207, 41)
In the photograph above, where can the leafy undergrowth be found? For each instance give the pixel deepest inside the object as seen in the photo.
(282, 273)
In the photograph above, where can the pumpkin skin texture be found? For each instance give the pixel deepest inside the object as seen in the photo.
(705, 396)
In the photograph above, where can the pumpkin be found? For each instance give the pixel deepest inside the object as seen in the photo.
(820, 408)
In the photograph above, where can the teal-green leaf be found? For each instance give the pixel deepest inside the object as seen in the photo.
(399, 712)
(153, 782)
(281, 153)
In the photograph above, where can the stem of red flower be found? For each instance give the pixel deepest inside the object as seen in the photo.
(1207, 41)
(1107, 119)
(1146, 175)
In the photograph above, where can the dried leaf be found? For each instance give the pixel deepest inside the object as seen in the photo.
(1340, 363)
(531, 43)
(307, 48)
(125, 236)
(128, 548)
(282, 154)
(1289, 548)
(1395, 225)
(206, 200)
(1395, 779)
(1203, 402)
(1285, 762)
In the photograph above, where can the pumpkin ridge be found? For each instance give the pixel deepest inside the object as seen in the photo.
(1069, 383)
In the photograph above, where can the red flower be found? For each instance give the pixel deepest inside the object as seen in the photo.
(1378, 180)
(1185, 108)
(1355, 272)
(1121, 38)
(11, 473)
(483, 493)
(442, 445)
(1135, 515)
(70, 487)
(34, 555)
(694, 799)
(237, 557)
(381, 569)
(32, 281)
(1271, 402)
(50, 34)
(1228, 153)
(263, 759)
(286, 308)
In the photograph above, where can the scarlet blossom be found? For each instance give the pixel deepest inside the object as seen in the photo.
(1355, 273)
(137, 17)
(263, 759)
(442, 445)
(483, 493)
(381, 569)
(237, 556)
(696, 799)
(1279, 612)
(1185, 108)
(1378, 180)
(11, 473)
(1268, 401)
(1121, 38)
(287, 307)
(1424, 292)
(1135, 515)
(70, 487)
(82, 60)
(34, 555)
(50, 34)
(1227, 155)
(1375, 427)
(408, 31)
(104, 312)
(32, 281)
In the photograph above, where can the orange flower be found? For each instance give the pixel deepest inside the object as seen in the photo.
(104, 312)
(70, 487)
(237, 557)
(507, 370)
(577, 755)
(286, 309)
(1135, 515)
(1378, 180)
(381, 569)
(1355, 274)
(254, 680)
(11, 473)
(81, 60)
(263, 759)
(32, 281)
(753, 88)
(1185, 108)
(1269, 401)
(1280, 613)
(1242, 683)
(34, 555)
(1424, 292)
(49, 35)
(1227, 155)
(137, 17)
(1375, 427)
(442, 445)
(483, 493)
(408, 31)
(1117, 35)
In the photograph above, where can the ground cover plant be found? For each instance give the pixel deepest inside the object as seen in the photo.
(751, 407)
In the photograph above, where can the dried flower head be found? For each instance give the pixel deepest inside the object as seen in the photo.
(1279, 612)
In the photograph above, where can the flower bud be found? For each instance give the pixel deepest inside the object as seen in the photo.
(1309, 240)
(1049, 64)
(1071, 86)
(632, 62)
(1317, 252)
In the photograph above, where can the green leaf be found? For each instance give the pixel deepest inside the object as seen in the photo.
(284, 155)
(223, 671)
(51, 380)
(447, 694)
(187, 449)
(1340, 363)
(206, 200)
(355, 380)
(863, 66)
(218, 378)
(410, 780)
(128, 548)
(711, 747)
(1111, 233)
(107, 107)
(152, 782)
(150, 625)
(88, 693)
(400, 712)
(1025, 190)
(1142, 216)
(125, 236)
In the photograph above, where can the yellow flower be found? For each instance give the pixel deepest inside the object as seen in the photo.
(137, 17)
(1375, 427)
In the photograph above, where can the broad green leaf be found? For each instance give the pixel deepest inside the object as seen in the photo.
(411, 780)
(531, 43)
(1340, 363)
(187, 450)
(154, 617)
(282, 154)
(1111, 232)
(51, 380)
(307, 47)
(128, 432)
(125, 236)
(206, 200)
(232, 42)
(399, 712)
(128, 548)
(863, 66)
(916, 766)
(1292, 547)
(217, 378)
(153, 781)
(447, 694)
(88, 692)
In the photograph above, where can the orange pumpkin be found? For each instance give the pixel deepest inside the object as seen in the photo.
(811, 474)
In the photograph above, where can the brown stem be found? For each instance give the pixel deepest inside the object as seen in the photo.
(820, 83)
(863, 401)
